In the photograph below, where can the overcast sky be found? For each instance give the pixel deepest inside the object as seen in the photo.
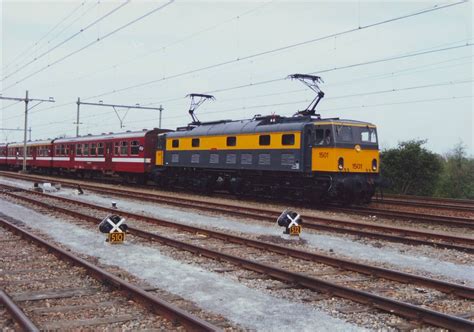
(162, 57)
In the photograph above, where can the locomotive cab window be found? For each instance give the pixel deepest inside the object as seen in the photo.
(344, 133)
(264, 140)
(134, 148)
(288, 139)
(175, 143)
(368, 135)
(322, 137)
(319, 137)
(195, 142)
(231, 141)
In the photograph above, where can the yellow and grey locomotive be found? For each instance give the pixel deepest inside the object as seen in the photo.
(303, 156)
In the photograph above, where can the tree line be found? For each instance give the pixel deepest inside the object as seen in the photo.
(411, 169)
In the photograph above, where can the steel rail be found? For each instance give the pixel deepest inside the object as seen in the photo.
(400, 308)
(439, 206)
(460, 201)
(168, 310)
(317, 223)
(425, 218)
(459, 290)
(17, 314)
(325, 224)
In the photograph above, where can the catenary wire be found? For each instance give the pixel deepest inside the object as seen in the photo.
(279, 49)
(288, 103)
(21, 55)
(90, 44)
(252, 84)
(74, 35)
(177, 42)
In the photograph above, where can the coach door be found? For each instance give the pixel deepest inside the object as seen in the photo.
(108, 155)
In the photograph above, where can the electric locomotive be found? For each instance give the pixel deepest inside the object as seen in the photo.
(304, 156)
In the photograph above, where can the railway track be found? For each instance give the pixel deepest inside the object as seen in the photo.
(364, 229)
(411, 216)
(423, 204)
(302, 278)
(45, 281)
(440, 200)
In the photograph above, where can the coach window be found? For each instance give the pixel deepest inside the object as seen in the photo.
(78, 149)
(123, 148)
(134, 148)
(264, 140)
(57, 150)
(85, 150)
(175, 143)
(100, 149)
(93, 149)
(116, 148)
(288, 139)
(62, 150)
(28, 151)
(231, 141)
(195, 142)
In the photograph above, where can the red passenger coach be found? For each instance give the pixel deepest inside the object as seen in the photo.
(130, 154)
(38, 155)
(41, 152)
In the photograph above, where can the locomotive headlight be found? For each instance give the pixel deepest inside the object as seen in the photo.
(340, 163)
(374, 164)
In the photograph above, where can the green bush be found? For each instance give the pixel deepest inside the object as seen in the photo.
(457, 179)
(410, 169)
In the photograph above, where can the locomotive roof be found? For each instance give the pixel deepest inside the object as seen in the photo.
(257, 125)
(109, 136)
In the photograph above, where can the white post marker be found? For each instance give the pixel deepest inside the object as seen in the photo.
(116, 235)
(294, 228)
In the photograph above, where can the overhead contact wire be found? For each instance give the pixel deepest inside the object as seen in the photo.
(278, 50)
(91, 43)
(69, 38)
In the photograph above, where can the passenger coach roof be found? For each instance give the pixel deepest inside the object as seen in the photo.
(257, 126)
(32, 143)
(110, 136)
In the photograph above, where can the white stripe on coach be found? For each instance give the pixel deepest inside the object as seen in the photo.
(131, 160)
(89, 159)
(19, 158)
(61, 158)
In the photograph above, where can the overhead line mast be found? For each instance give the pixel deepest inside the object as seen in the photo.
(121, 119)
(27, 100)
